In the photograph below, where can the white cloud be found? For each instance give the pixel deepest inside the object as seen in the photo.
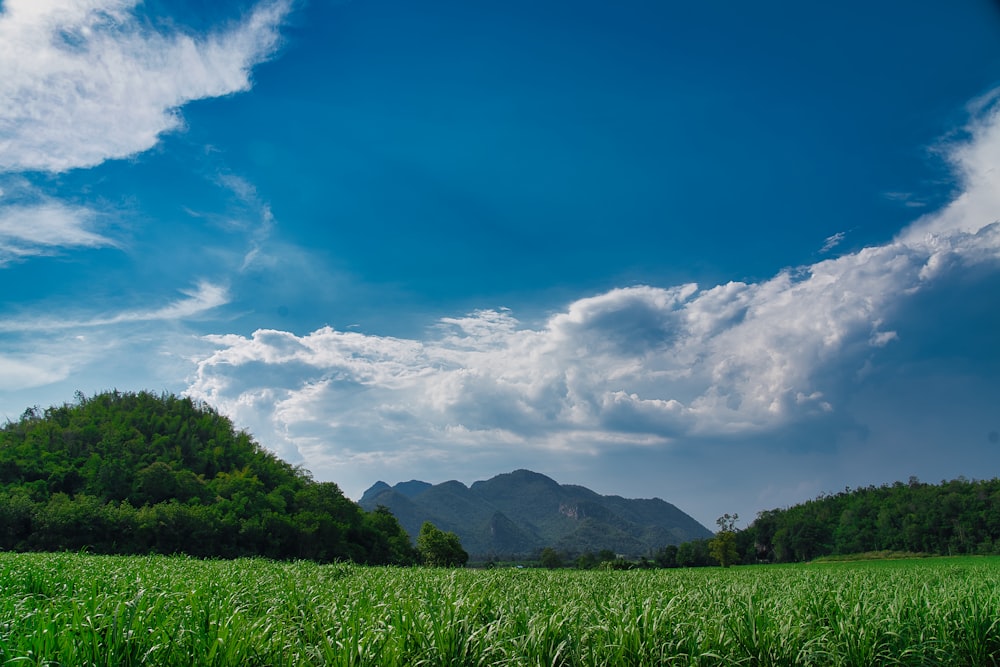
(976, 163)
(905, 198)
(633, 366)
(204, 297)
(44, 359)
(24, 372)
(258, 215)
(832, 242)
(43, 228)
(84, 81)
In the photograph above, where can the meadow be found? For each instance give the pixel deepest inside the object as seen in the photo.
(77, 609)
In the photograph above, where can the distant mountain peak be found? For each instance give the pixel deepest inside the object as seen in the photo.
(522, 474)
(520, 512)
(412, 488)
(409, 489)
(378, 487)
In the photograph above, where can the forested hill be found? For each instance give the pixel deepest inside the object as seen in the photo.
(956, 517)
(141, 473)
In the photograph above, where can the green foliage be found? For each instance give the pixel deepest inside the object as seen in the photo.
(141, 473)
(870, 555)
(73, 609)
(440, 549)
(667, 556)
(391, 544)
(727, 522)
(694, 554)
(550, 558)
(722, 548)
(952, 518)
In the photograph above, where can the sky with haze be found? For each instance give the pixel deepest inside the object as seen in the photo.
(733, 255)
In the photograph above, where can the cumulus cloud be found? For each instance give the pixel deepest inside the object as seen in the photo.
(975, 163)
(637, 366)
(84, 81)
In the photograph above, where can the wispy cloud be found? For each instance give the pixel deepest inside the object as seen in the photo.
(905, 198)
(204, 297)
(257, 216)
(49, 357)
(84, 82)
(247, 214)
(46, 228)
(33, 370)
(832, 242)
(641, 365)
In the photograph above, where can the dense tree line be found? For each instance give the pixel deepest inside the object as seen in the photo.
(695, 553)
(950, 518)
(955, 517)
(146, 473)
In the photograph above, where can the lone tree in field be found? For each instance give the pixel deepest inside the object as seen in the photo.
(722, 547)
(440, 549)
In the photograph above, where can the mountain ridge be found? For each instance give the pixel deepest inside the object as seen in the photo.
(517, 514)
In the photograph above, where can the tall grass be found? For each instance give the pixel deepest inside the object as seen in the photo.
(80, 610)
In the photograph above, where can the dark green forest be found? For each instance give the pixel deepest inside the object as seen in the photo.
(951, 518)
(143, 473)
(957, 517)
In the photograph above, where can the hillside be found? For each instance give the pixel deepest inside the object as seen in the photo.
(522, 512)
(142, 473)
(950, 518)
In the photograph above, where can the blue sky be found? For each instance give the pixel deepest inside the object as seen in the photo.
(732, 255)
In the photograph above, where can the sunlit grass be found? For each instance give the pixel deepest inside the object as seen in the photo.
(69, 609)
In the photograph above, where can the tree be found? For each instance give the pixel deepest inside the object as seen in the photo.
(440, 549)
(686, 555)
(723, 546)
(667, 556)
(140, 473)
(550, 559)
(727, 522)
(391, 544)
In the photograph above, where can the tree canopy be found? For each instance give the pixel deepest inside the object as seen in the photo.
(439, 548)
(124, 472)
(723, 547)
(950, 518)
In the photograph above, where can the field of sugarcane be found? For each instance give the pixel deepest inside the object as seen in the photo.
(78, 609)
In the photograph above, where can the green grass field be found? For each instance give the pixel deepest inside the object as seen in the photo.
(70, 609)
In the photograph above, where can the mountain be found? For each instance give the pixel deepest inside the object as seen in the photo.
(521, 512)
